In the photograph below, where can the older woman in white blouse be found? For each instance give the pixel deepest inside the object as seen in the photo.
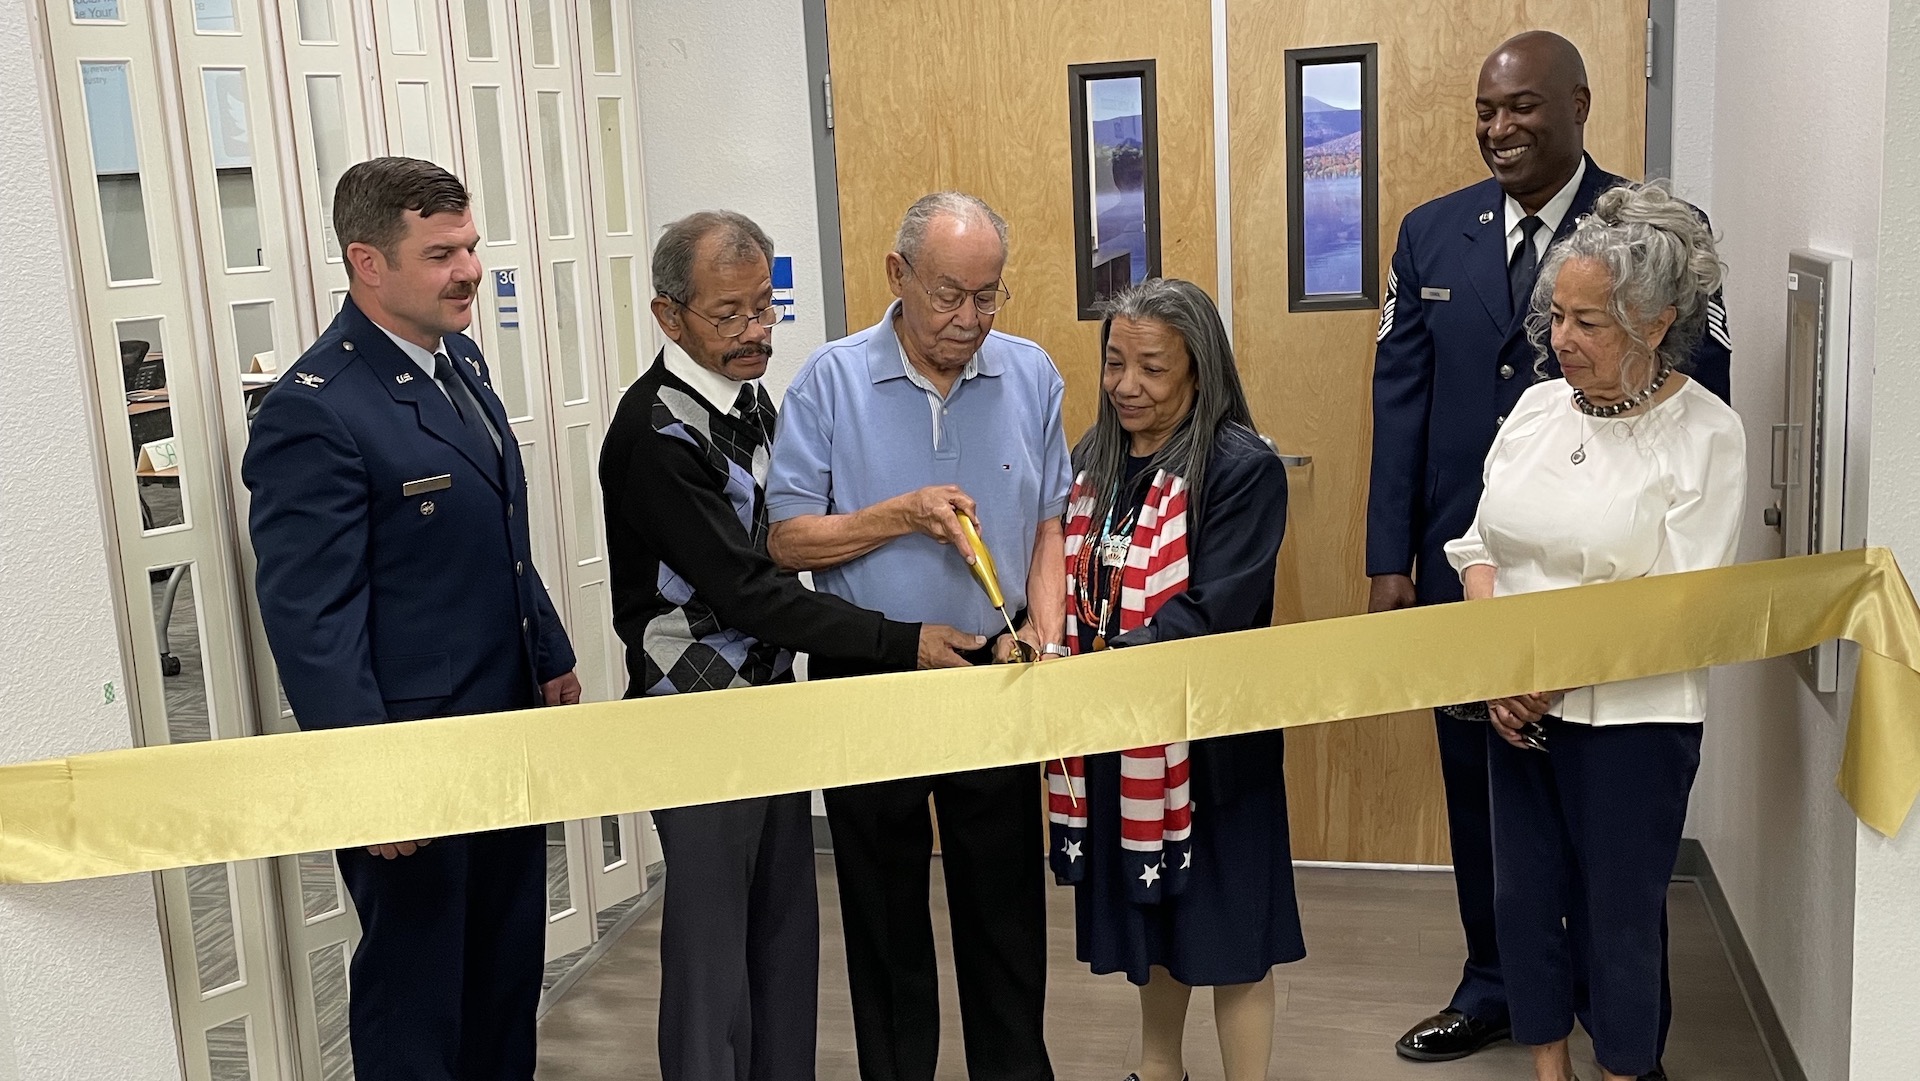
(1623, 468)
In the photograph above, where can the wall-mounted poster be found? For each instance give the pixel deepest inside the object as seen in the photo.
(1333, 192)
(1116, 178)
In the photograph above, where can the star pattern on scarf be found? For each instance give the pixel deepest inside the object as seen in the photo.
(1151, 872)
(1071, 849)
(1186, 859)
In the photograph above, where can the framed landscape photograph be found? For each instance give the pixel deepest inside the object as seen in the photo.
(1333, 174)
(1116, 178)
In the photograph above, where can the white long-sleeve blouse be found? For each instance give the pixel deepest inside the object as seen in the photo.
(1656, 493)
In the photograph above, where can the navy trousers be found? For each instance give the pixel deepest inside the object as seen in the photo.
(1481, 995)
(446, 980)
(1584, 838)
(739, 941)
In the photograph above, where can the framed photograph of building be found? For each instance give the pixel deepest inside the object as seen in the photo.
(1116, 178)
(1333, 179)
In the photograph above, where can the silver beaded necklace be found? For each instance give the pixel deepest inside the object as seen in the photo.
(1605, 412)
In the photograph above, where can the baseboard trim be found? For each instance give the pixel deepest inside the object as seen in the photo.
(1693, 865)
(1339, 865)
(656, 885)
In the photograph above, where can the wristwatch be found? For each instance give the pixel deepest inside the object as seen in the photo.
(1054, 649)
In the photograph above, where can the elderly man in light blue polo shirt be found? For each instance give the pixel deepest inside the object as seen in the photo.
(883, 437)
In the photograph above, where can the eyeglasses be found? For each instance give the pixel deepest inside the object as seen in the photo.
(948, 298)
(734, 325)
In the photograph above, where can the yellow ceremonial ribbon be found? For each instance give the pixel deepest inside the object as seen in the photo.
(147, 809)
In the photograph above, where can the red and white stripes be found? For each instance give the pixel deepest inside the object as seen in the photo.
(1156, 805)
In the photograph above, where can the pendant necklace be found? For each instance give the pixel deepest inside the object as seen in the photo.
(1580, 452)
(1605, 412)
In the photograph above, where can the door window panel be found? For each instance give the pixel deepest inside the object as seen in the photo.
(116, 170)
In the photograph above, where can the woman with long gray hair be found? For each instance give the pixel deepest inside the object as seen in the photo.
(1623, 468)
(1178, 855)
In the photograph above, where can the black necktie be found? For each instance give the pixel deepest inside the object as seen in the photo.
(463, 402)
(1523, 265)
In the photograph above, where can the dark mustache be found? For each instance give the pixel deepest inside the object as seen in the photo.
(760, 349)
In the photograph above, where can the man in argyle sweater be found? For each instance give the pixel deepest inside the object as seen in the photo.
(700, 608)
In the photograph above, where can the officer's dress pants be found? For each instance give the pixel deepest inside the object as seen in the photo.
(446, 979)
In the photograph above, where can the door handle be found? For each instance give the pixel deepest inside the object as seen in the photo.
(1774, 458)
(1291, 461)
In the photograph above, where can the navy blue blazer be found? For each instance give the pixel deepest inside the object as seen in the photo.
(396, 576)
(1452, 359)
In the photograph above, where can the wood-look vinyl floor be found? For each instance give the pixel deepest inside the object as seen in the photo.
(1384, 950)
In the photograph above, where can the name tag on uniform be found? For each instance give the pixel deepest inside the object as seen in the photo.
(1428, 292)
(427, 484)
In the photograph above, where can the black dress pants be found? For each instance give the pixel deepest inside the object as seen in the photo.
(739, 941)
(446, 980)
(991, 853)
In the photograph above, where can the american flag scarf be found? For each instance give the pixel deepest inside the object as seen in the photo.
(1156, 806)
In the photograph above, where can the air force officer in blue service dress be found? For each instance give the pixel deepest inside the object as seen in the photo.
(396, 582)
(1452, 360)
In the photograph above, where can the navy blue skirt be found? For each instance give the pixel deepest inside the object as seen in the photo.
(1237, 916)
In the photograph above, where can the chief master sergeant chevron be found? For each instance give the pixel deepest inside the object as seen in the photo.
(396, 582)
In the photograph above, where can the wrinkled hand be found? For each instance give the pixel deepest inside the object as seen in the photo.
(397, 849)
(1003, 647)
(941, 645)
(934, 511)
(1510, 715)
(561, 690)
(1389, 592)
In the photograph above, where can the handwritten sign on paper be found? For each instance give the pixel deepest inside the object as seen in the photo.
(159, 455)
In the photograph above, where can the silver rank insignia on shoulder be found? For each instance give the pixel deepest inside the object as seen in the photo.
(1486, 216)
(403, 377)
(307, 379)
(476, 365)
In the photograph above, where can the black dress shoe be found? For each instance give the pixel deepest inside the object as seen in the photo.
(1448, 1035)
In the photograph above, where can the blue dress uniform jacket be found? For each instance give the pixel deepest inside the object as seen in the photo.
(396, 581)
(380, 604)
(1451, 361)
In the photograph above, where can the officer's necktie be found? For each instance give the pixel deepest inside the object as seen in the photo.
(463, 402)
(1523, 265)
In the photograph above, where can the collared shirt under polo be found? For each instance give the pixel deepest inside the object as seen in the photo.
(855, 430)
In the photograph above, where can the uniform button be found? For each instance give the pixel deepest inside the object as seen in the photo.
(523, 626)
(509, 510)
(1506, 371)
(519, 568)
(348, 346)
(1499, 420)
(426, 506)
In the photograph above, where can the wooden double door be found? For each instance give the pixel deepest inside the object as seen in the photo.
(944, 94)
